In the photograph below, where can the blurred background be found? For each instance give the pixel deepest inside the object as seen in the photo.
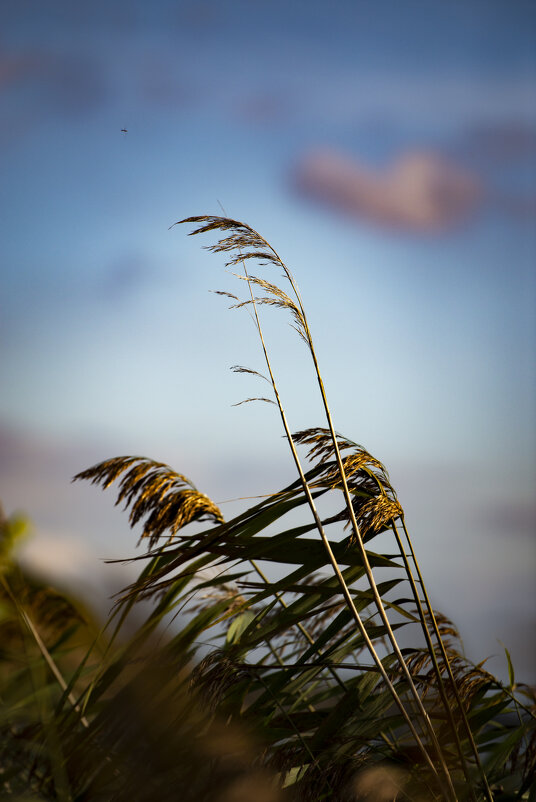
(388, 152)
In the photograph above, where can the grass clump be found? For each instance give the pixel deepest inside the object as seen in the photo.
(285, 679)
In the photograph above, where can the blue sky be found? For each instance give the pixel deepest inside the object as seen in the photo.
(388, 152)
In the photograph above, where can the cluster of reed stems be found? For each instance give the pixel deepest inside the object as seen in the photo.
(308, 659)
(244, 243)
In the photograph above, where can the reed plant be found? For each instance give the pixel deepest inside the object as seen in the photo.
(287, 671)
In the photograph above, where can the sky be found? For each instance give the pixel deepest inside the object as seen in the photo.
(388, 152)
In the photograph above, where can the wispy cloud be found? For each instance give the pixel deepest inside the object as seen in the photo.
(421, 191)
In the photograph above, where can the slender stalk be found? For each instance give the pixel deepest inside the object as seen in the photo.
(372, 582)
(467, 726)
(431, 652)
(346, 493)
(43, 649)
(58, 777)
(331, 556)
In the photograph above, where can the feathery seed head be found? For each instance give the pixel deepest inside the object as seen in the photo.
(166, 500)
(376, 514)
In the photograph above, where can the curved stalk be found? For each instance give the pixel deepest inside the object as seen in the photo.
(467, 726)
(344, 588)
(49, 660)
(431, 652)
(346, 494)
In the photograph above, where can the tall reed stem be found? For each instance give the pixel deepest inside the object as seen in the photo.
(446, 661)
(331, 556)
(346, 493)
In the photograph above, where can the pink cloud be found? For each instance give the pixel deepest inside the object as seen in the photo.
(421, 191)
